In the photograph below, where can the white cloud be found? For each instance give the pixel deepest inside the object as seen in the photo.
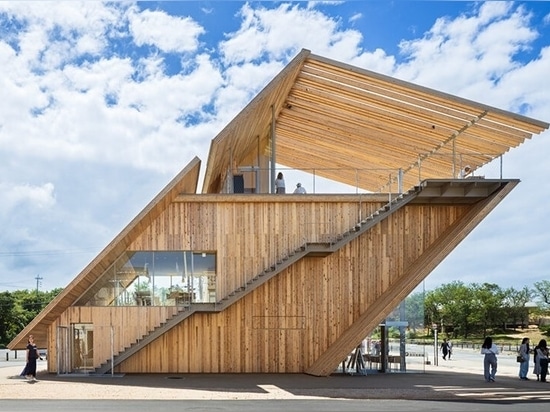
(168, 33)
(467, 55)
(281, 32)
(39, 197)
(52, 33)
(356, 17)
(90, 105)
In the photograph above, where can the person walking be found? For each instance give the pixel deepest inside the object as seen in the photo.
(541, 362)
(32, 356)
(490, 350)
(524, 353)
(445, 349)
(23, 373)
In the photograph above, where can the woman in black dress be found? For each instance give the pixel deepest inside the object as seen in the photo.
(32, 356)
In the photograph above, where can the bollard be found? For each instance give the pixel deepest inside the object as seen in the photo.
(7, 356)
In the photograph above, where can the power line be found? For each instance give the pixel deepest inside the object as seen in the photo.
(46, 252)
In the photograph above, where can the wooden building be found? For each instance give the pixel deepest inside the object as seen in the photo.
(236, 279)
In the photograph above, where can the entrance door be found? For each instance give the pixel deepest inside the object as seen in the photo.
(82, 348)
(63, 344)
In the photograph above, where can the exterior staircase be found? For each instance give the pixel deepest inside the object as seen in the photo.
(306, 250)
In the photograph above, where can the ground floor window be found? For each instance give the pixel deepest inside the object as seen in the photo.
(398, 344)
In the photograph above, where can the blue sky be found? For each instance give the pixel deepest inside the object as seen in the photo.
(103, 103)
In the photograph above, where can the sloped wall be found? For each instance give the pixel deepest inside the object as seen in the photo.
(286, 324)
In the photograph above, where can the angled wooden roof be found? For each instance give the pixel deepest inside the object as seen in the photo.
(185, 182)
(339, 119)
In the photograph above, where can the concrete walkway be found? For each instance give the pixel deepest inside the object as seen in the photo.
(461, 378)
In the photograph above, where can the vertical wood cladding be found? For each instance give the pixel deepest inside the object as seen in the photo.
(286, 324)
(126, 324)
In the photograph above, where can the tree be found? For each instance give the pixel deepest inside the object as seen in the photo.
(542, 291)
(19, 308)
(7, 316)
(450, 306)
(514, 305)
(488, 301)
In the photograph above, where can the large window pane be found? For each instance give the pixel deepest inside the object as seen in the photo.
(166, 278)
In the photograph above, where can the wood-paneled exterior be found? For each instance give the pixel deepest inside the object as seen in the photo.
(288, 324)
(311, 313)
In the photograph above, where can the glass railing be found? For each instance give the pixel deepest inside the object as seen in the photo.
(252, 179)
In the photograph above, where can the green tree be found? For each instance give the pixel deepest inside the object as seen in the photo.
(542, 291)
(514, 304)
(450, 307)
(19, 308)
(7, 316)
(488, 302)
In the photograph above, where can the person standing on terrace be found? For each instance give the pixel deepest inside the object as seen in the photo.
(300, 189)
(465, 172)
(280, 184)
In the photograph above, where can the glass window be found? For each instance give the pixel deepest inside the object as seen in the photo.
(165, 278)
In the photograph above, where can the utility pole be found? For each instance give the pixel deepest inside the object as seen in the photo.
(38, 282)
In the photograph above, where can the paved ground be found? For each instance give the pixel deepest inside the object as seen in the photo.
(458, 379)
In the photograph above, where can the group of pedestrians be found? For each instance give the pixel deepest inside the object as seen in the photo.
(540, 359)
(281, 189)
(490, 350)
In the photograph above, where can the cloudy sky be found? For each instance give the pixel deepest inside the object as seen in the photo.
(101, 104)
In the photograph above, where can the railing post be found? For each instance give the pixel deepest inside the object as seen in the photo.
(360, 208)
(389, 190)
(112, 350)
